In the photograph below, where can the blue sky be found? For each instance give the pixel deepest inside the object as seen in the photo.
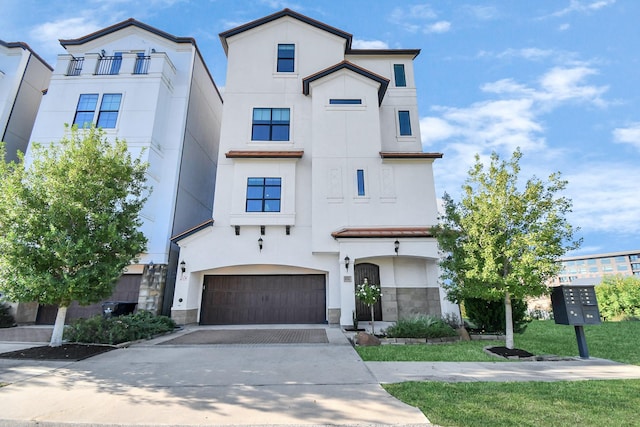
(558, 78)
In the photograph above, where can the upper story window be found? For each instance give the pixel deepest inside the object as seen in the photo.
(270, 124)
(399, 75)
(334, 101)
(286, 58)
(85, 110)
(108, 114)
(142, 63)
(405, 123)
(360, 180)
(109, 110)
(264, 194)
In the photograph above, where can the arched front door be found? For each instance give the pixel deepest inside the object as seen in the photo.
(372, 273)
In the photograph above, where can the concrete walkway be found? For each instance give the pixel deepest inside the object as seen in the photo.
(244, 384)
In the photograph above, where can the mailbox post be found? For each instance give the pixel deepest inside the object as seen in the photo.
(577, 306)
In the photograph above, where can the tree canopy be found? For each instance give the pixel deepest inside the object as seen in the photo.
(501, 242)
(69, 220)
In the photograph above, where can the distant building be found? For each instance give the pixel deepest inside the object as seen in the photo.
(593, 268)
(24, 78)
(153, 90)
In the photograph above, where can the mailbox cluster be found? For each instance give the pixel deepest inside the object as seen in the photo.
(575, 305)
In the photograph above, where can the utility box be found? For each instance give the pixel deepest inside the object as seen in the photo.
(575, 305)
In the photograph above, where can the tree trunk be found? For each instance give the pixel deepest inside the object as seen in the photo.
(508, 315)
(373, 329)
(58, 327)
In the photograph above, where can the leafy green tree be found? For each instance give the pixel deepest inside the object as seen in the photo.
(501, 243)
(69, 221)
(619, 297)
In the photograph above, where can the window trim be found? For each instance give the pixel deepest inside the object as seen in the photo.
(270, 125)
(360, 183)
(93, 111)
(264, 196)
(103, 109)
(292, 60)
(404, 120)
(399, 71)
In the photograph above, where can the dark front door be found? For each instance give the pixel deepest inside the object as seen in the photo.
(126, 290)
(372, 273)
(254, 299)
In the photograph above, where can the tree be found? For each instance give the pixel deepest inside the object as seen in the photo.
(619, 297)
(69, 221)
(369, 294)
(501, 243)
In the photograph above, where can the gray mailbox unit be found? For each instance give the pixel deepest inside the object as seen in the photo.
(577, 306)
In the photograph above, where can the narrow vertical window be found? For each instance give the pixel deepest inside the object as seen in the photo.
(405, 123)
(116, 63)
(398, 72)
(86, 109)
(360, 175)
(109, 110)
(286, 58)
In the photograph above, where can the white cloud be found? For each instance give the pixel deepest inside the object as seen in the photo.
(564, 27)
(583, 7)
(482, 13)
(628, 135)
(438, 27)
(567, 83)
(369, 44)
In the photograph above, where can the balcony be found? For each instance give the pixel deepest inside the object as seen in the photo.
(157, 64)
(110, 65)
(75, 66)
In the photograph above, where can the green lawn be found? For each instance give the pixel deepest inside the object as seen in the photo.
(562, 403)
(611, 340)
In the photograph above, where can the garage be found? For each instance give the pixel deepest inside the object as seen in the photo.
(263, 299)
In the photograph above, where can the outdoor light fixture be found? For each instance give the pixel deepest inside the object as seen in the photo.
(151, 266)
(260, 243)
(396, 245)
(183, 266)
(346, 262)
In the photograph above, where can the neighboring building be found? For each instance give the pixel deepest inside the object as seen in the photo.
(24, 78)
(593, 268)
(153, 90)
(321, 182)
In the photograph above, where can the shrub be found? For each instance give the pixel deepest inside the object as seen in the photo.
(116, 330)
(619, 297)
(6, 319)
(421, 327)
(488, 316)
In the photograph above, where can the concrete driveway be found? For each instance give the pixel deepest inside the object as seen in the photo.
(158, 384)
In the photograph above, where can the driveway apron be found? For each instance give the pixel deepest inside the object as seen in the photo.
(163, 383)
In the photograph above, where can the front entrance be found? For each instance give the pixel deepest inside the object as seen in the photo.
(372, 273)
(268, 299)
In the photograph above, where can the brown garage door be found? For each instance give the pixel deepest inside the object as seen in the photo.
(263, 299)
(126, 290)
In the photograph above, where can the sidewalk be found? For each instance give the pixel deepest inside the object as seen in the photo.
(152, 383)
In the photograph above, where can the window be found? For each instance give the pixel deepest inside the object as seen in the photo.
(263, 194)
(270, 124)
(286, 57)
(116, 63)
(142, 63)
(360, 177)
(86, 109)
(398, 72)
(109, 110)
(405, 123)
(345, 101)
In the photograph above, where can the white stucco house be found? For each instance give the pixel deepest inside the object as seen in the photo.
(153, 90)
(24, 78)
(321, 182)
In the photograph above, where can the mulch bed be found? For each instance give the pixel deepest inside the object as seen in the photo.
(509, 353)
(71, 352)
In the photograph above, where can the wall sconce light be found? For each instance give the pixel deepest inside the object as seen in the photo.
(151, 267)
(396, 245)
(346, 262)
(260, 243)
(183, 266)
(103, 52)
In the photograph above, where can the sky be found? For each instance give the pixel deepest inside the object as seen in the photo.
(558, 78)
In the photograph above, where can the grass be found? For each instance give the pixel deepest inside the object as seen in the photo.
(564, 403)
(610, 340)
